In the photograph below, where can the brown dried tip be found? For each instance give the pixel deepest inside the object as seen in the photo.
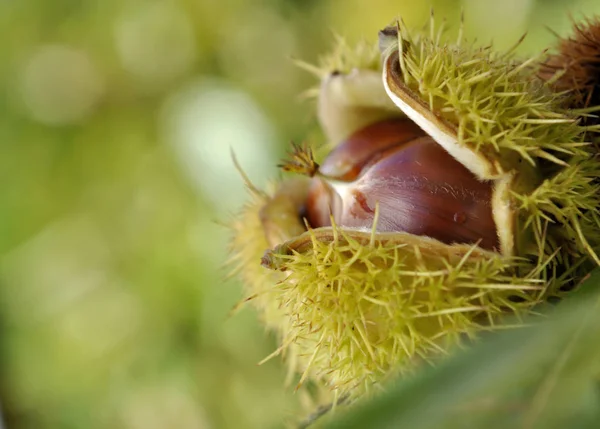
(301, 161)
(578, 65)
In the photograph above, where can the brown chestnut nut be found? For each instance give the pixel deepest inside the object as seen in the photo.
(418, 186)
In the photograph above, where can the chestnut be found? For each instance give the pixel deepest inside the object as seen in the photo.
(419, 187)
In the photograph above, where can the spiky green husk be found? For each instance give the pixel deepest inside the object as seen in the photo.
(498, 107)
(247, 247)
(352, 308)
(357, 307)
(250, 229)
(505, 115)
(344, 57)
(365, 306)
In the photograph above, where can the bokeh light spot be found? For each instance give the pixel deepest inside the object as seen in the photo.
(60, 85)
(155, 43)
(205, 122)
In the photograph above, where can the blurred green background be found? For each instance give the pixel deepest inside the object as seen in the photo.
(117, 118)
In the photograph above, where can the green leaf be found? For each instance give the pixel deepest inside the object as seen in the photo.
(546, 375)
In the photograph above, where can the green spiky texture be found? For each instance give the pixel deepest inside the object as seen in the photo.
(247, 247)
(499, 107)
(352, 308)
(355, 308)
(503, 111)
(345, 57)
(365, 306)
